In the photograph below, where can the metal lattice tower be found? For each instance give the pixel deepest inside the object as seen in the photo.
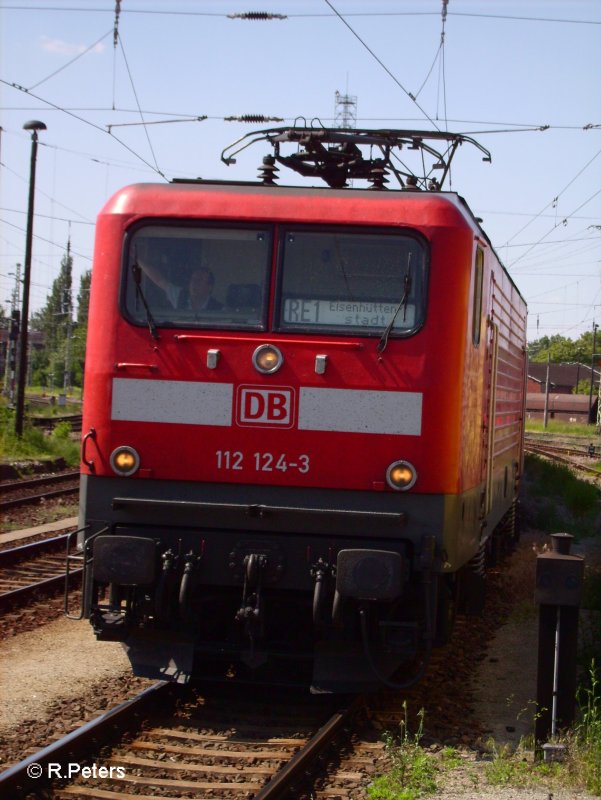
(345, 113)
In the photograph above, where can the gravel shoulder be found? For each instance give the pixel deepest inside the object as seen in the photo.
(58, 661)
(52, 680)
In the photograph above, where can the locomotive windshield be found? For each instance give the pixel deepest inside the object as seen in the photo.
(347, 282)
(198, 277)
(338, 281)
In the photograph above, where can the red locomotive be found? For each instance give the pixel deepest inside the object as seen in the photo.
(303, 416)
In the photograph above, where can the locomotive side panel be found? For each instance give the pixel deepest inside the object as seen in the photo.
(507, 337)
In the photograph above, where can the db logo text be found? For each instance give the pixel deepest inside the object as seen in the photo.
(259, 406)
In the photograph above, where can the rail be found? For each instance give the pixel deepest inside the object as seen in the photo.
(29, 569)
(29, 776)
(268, 781)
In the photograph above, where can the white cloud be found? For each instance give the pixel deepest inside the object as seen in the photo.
(58, 47)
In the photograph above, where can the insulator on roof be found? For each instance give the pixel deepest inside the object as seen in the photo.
(377, 174)
(268, 171)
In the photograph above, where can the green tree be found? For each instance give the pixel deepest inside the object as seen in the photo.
(81, 328)
(54, 321)
(561, 349)
(583, 387)
(558, 347)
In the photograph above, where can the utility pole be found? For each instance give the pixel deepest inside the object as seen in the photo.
(546, 414)
(34, 126)
(590, 394)
(13, 338)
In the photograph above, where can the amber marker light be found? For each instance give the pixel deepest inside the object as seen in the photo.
(267, 359)
(401, 475)
(125, 461)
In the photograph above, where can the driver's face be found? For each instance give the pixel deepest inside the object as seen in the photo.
(199, 287)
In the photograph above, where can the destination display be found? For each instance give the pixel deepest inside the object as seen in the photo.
(376, 314)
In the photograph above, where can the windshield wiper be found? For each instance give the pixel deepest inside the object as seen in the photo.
(137, 273)
(402, 305)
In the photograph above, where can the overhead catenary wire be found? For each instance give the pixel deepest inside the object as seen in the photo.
(557, 196)
(41, 238)
(115, 42)
(72, 61)
(564, 221)
(442, 78)
(154, 122)
(511, 127)
(308, 15)
(555, 241)
(41, 192)
(439, 57)
(550, 252)
(381, 63)
(131, 80)
(23, 89)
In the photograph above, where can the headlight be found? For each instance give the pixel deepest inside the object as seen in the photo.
(267, 358)
(401, 475)
(124, 460)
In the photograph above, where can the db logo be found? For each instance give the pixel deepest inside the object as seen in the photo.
(259, 406)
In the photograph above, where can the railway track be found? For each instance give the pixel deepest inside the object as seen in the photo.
(31, 569)
(575, 447)
(32, 490)
(568, 455)
(218, 746)
(48, 423)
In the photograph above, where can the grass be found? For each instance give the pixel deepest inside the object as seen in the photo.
(508, 767)
(413, 770)
(415, 773)
(42, 517)
(47, 411)
(34, 444)
(44, 391)
(559, 500)
(587, 740)
(554, 426)
(580, 768)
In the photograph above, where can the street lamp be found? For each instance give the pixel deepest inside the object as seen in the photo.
(34, 126)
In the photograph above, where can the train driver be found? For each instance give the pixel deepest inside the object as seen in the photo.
(196, 296)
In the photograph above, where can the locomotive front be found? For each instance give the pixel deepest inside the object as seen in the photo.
(262, 402)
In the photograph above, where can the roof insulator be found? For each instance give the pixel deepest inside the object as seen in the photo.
(377, 174)
(268, 171)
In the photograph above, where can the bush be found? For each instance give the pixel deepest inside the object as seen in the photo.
(34, 444)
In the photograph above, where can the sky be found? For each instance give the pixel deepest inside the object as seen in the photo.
(125, 99)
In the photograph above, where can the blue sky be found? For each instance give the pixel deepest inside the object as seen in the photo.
(506, 70)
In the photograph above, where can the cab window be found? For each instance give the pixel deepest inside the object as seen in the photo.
(192, 276)
(351, 282)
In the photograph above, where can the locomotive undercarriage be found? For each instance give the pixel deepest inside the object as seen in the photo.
(357, 612)
(328, 604)
(326, 593)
